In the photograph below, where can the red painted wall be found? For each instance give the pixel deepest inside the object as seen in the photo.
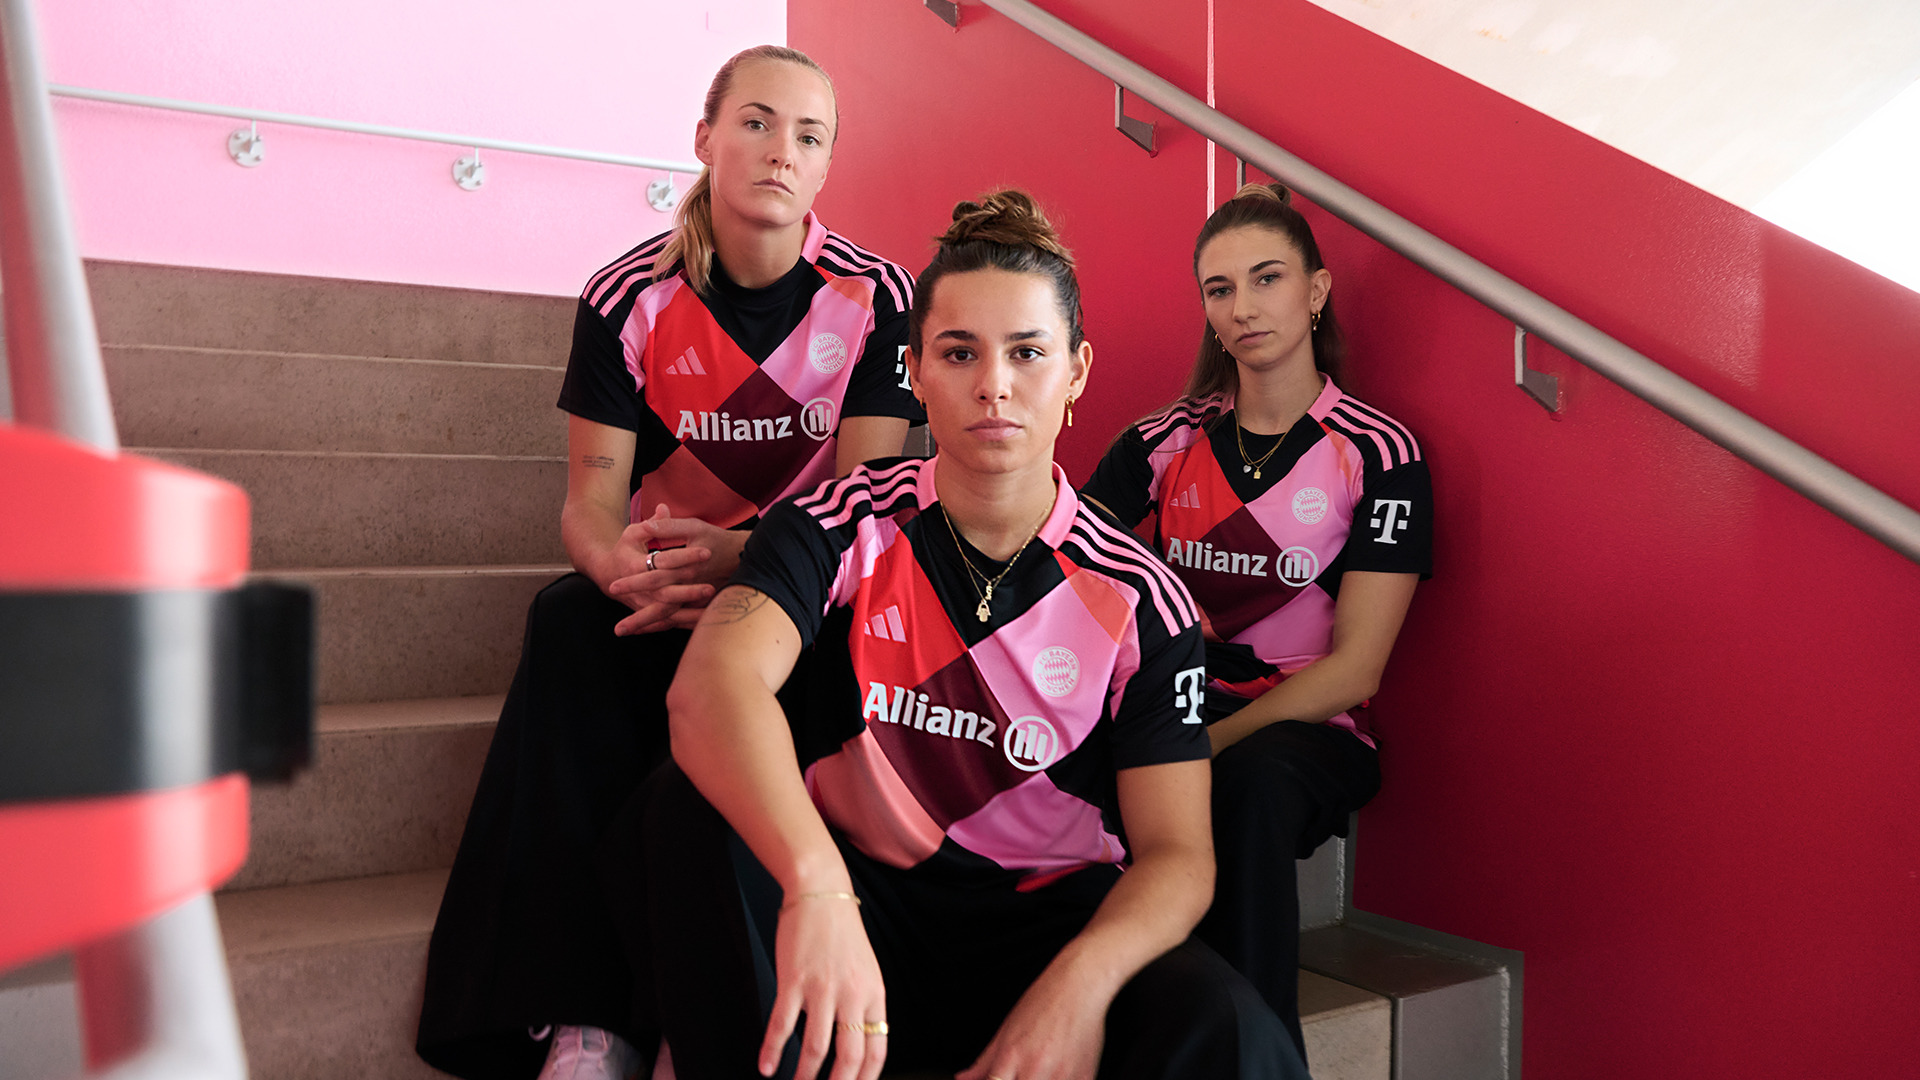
(1653, 721)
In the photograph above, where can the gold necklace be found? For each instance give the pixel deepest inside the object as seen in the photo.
(981, 612)
(1251, 465)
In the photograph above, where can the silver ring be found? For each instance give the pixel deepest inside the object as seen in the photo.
(650, 556)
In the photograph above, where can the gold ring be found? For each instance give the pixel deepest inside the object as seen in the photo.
(878, 1027)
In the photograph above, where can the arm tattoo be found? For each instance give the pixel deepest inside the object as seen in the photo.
(596, 461)
(735, 604)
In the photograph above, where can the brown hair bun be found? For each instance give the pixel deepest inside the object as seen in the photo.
(1002, 230)
(1275, 191)
(1009, 217)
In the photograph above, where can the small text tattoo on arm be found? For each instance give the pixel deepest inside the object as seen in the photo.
(735, 604)
(596, 461)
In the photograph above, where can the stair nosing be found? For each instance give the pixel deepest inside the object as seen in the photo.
(219, 351)
(232, 452)
(425, 570)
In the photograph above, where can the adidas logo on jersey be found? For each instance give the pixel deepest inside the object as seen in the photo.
(688, 364)
(887, 625)
(1195, 555)
(912, 710)
(1189, 499)
(722, 427)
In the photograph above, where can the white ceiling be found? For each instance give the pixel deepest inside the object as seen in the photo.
(1734, 96)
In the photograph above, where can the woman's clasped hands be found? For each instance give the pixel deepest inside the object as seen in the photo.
(668, 568)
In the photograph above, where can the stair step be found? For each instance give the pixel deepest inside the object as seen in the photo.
(419, 632)
(228, 400)
(147, 304)
(388, 793)
(1349, 1031)
(1452, 1012)
(328, 977)
(40, 1022)
(326, 509)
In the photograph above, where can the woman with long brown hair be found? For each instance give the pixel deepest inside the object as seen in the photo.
(1301, 519)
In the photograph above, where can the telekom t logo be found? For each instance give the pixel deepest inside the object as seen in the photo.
(1187, 692)
(1393, 518)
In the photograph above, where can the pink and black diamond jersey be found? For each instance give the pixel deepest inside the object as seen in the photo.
(935, 739)
(1346, 489)
(735, 397)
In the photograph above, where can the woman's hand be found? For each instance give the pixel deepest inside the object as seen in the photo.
(825, 967)
(1055, 1032)
(667, 595)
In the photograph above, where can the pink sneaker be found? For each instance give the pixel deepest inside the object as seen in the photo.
(589, 1053)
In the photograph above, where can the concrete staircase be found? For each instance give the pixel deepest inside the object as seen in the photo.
(405, 458)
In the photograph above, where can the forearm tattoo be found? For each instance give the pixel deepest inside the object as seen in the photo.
(596, 461)
(735, 604)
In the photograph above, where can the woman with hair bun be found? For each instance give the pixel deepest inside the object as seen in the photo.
(745, 355)
(920, 864)
(1300, 518)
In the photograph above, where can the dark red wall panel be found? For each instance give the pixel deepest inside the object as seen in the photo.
(1654, 720)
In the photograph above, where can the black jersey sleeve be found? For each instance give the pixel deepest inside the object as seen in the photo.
(1393, 523)
(1159, 717)
(792, 559)
(598, 386)
(1123, 481)
(878, 385)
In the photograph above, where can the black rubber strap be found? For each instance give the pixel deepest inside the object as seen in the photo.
(107, 693)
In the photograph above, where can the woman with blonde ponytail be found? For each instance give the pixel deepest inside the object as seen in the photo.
(746, 355)
(1301, 519)
(917, 865)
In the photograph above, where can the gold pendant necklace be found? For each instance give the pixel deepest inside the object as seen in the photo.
(1248, 464)
(982, 612)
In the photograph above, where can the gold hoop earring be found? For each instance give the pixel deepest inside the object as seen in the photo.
(1069, 412)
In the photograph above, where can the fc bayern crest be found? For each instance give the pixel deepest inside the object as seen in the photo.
(827, 353)
(1310, 505)
(1056, 671)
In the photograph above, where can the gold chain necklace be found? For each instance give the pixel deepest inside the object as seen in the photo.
(1251, 465)
(981, 612)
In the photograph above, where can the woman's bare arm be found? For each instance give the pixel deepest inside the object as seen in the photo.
(1366, 620)
(731, 738)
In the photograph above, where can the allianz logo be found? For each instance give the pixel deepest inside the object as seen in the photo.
(912, 710)
(1031, 743)
(1196, 555)
(816, 423)
(1297, 566)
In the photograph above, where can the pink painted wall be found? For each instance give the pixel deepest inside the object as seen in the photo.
(1654, 720)
(621, 76)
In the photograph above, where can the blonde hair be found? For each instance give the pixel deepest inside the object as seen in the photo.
(692, 243)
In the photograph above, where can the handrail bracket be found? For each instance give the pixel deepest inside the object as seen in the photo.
(1539, 385)
(1140, 131)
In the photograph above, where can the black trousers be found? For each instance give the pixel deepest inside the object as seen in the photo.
(1277, 795)
(956, 953)
(524, 937)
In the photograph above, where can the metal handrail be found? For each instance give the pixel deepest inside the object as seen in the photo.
(1867, 508)
(418, 135)
(53, 351)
